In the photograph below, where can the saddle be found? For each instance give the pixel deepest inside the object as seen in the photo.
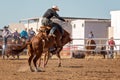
(44, 28)
(48, 28)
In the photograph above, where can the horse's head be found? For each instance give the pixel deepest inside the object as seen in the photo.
(41, 34)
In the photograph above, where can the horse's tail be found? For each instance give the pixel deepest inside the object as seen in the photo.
(20, 49)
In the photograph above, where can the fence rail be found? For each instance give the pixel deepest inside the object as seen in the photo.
(99, 43)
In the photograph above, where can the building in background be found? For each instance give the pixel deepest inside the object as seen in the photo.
(77, 27)
(81, 28)
(18, 26)
(36, 23)
(115, 23)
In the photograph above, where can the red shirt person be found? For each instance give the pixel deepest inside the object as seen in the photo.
(111, 46)
(111, 43)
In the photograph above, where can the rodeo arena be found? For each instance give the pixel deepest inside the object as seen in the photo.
(80, 58)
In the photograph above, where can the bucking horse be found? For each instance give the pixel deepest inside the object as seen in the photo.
(60, 41)
(43, 42)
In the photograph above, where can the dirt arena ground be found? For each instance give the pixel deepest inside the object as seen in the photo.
(72, 69)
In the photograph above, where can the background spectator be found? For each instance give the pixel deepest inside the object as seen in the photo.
(24, 35)
(16, 36)
(31, 33)
(91, 35)
(111, 45)
(5, 34)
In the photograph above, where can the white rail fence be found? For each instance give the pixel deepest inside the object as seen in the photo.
(99, 43)
(81, 43)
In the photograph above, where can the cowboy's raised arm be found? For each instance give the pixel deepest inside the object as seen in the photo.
(57, 16)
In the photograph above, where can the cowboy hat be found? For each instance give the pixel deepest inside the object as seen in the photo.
(55, 7)
(5, 26)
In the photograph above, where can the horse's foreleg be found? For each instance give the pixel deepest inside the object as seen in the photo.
(59, 58)
(58, 55)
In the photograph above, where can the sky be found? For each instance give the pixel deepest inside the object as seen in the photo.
(11, 11)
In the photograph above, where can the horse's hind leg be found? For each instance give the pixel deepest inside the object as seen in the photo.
(29, 62)
(35, 62)
(39, 62)
(46, 57)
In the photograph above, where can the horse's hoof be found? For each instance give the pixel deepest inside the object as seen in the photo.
(59, 65)
(39, 70)
(32, 70)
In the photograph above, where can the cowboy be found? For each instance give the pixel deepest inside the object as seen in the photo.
(5, 34)
(46, 21)
(90, 35)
